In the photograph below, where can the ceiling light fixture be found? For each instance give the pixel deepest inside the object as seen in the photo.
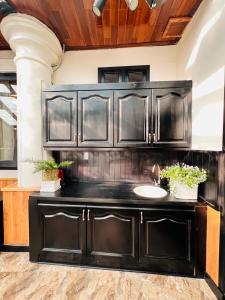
(98, 7)
(154, 3)
(132, 4)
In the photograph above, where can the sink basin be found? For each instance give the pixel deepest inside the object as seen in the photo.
(150, 191)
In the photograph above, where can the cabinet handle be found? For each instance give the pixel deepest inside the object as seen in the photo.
(75, 136)
(83, 215)
(149, 138)
(153, 137)
(141, 217)
(88, 215)
(79, 137)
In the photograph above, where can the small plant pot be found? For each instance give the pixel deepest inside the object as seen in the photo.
(183, 191)
(50, 181)
(50, 175)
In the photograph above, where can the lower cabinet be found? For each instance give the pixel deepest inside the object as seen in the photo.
(167, 241)
(57, 233)
(154, 240)
(112, 237)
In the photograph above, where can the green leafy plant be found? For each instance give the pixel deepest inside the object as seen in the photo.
(49, 167)
(184, 174)
(50, 164)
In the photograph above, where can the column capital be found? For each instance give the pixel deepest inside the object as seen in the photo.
(31, 39)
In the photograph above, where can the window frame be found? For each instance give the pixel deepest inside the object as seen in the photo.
(9, 164)
(123, 72)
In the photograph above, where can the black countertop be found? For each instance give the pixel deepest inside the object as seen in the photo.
(118, 193)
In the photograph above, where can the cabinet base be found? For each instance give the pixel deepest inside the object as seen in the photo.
(111, 268)
(12, 248)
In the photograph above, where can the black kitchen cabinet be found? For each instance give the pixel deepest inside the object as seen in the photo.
(167, 241)
(59, 233)
(132, 115)
(172, 117)
(140, 114)
(112, 237)
(151, 239)
(95, 119)
(60, 119)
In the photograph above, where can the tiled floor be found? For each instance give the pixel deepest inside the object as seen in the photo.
(22, 280)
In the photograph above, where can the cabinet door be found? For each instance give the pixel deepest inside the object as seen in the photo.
(112, 237)
(132, 118)
(60, 119)
(95, 119)
(167, 241)
(58, 233)
(172, 117)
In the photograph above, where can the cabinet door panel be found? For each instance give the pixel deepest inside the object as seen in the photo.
(172, 122)
(167, 241)
(95, 118)
(63, 237)
(112, 237)
(59, 119)
(61, 223)
(132, 117)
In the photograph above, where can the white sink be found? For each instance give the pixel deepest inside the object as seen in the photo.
(150, 191)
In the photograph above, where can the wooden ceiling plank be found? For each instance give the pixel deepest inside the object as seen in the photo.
(77, 27)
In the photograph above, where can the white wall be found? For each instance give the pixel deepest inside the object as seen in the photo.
(7, 65)
(82, 66)
(201, 57)
(6, 62)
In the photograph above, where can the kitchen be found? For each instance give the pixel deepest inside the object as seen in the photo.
(121, 116)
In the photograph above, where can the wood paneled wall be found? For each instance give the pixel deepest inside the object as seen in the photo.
(125, 165)
(7, 181)
(138, 166)
(15, 215)
(213, 244)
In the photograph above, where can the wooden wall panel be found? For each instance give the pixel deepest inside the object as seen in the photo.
(213, 244)
(125, 165)
(7, 181)
(15, 215)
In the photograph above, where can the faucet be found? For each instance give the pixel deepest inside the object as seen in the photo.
(156, 172)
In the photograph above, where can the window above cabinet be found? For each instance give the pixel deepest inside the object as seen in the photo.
(124, 74)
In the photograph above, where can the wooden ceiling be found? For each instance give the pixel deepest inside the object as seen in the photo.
(78, 28)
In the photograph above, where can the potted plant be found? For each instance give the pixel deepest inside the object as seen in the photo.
(184, 180)
(50, 170)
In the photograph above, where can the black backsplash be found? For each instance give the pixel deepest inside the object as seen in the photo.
(141, 165)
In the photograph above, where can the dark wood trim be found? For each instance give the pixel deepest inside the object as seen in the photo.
(119, 86)
(132, 148)
(12, 248)
(214, 288)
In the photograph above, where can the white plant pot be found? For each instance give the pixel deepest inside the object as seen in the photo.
(50, 186)
(182, 191)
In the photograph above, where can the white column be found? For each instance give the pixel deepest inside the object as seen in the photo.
(37, 50)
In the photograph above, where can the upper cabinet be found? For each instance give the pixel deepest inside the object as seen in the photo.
(95, 119)
(172, 117)
(118, 115)
(132, 117)
(59, 119)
